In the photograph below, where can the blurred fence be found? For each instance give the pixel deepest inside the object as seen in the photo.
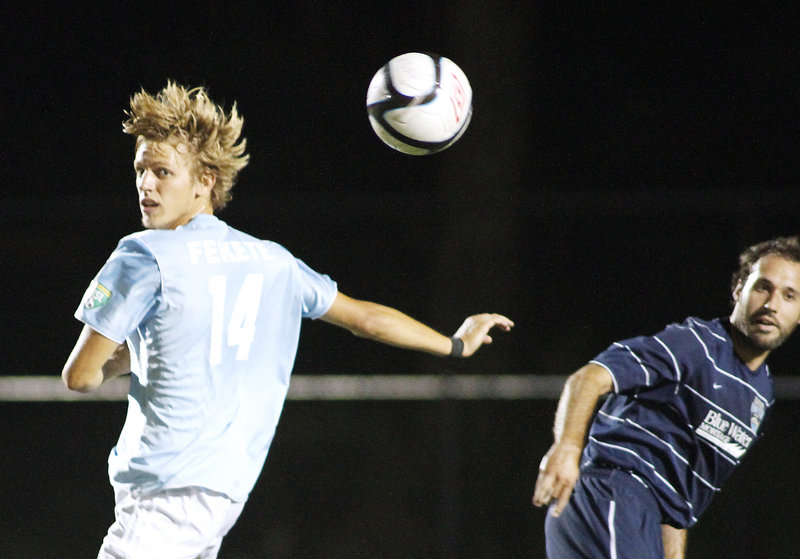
(351, 387)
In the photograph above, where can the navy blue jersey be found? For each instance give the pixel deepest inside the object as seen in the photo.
(683, 412)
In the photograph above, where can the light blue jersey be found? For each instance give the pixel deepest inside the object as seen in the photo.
(212, 319)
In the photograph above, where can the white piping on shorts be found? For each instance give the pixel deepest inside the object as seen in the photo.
(612, 534)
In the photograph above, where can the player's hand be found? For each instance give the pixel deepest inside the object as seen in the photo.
(474, 332)
(558, 474)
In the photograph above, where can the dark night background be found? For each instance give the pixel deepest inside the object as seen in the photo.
(619, 158)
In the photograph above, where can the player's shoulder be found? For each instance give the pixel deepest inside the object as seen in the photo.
(697, 333)
(138, 242)
(199, 226)
(207, 236)
(273, 249)
(715, 328)
(265, 250)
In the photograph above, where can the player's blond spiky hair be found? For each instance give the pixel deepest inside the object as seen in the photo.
(178, 114)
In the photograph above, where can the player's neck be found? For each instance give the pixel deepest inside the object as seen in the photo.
(753, 357)
(203, 207)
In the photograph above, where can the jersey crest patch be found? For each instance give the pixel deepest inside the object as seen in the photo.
(757, 410)
(98, 298)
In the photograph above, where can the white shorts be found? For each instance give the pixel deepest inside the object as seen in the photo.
(186, 523)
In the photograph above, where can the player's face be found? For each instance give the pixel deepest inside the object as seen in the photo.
(767, 308)
(170, 192)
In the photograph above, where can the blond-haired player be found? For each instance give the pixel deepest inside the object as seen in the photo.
(207, 319)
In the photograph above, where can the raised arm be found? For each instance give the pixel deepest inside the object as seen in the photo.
(93, 360)
(558, 471)
(390, 326)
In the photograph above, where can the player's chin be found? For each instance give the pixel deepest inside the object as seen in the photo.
(153, 221)
(150, 223)
(769, 341)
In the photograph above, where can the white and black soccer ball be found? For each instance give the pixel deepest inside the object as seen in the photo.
(419, 103)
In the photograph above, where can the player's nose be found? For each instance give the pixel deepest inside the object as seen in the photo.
(146, 180)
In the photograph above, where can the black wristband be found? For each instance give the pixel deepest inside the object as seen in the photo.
(458, 347)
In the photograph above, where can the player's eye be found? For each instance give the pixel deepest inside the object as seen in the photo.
(162, 172)
(761, 286)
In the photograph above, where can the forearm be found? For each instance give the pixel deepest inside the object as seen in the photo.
(118, 364)
(674, 542)
(390, 326)
(559, 469)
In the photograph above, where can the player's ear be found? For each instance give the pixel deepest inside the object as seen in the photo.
(737, 291)
(206, 182)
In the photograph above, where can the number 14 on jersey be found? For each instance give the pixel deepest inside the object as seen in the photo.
(241, 328)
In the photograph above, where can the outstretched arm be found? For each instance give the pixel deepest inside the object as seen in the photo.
(94, 360)
(558, 471)
(390, 326)
(674, 542)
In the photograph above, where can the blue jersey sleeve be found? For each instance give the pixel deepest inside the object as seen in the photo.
(122, 294)
(319, 291)
(647, 361)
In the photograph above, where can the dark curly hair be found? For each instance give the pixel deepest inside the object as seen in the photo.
(785, 247)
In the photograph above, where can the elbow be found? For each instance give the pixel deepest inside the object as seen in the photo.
(361, 329)
(78, 382)
(370, 325)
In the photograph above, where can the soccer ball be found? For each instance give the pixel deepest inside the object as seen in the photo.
(419, 103)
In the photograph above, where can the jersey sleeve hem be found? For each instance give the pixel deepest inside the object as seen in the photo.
(610, 372)
(100, 330)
